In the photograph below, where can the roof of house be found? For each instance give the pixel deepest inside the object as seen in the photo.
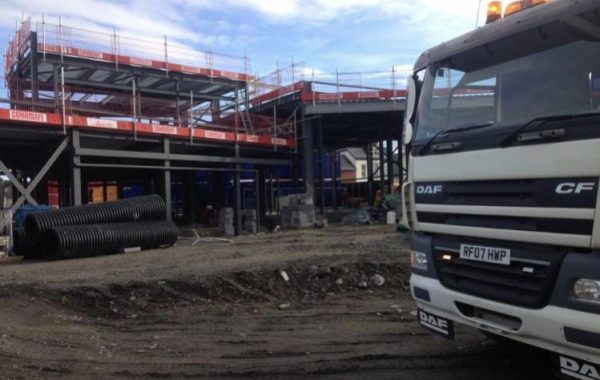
(357, 153)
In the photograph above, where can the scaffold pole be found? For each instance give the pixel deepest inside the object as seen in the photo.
(191, 121)
(62, 91)
(116, 49)
(394, 86)
(166, 58)
(337, 86)
(44, 36)
(60, 33)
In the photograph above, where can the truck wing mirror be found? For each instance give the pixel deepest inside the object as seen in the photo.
(411, 107)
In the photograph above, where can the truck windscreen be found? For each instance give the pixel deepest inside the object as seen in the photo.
(503, 92)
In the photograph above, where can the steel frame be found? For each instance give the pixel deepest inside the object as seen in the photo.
(318, 117)
(25, 192)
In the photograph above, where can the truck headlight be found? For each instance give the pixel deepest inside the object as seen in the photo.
(587, 290)
(418, 260)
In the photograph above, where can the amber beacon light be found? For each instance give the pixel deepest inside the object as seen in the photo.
(513, 7)
(538, 2)
(494, 10)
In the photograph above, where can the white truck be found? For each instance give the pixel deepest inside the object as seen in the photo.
(502, 142)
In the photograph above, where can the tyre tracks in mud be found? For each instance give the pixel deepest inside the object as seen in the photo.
(225, 311)
(338, 337)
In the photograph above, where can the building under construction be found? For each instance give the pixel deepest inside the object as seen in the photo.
(95, 116)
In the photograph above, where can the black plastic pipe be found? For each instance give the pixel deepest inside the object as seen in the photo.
(19, 241)
(65, 242)
(151, 207)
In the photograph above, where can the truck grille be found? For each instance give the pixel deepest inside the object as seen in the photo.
(526, 282)
(524, 193)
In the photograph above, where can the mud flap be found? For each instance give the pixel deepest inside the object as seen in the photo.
(436, 324)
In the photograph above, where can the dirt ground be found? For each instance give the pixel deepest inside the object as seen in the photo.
(225, 310)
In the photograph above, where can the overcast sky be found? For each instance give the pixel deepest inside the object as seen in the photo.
(347, 35)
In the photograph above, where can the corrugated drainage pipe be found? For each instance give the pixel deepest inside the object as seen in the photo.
(65, 242)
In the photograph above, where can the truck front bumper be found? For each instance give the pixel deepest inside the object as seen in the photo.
(544, 328)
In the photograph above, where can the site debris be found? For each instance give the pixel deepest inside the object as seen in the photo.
(226, 311)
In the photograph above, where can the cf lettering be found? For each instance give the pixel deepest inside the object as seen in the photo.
(583, 186)
(574, 188)
(565, 188)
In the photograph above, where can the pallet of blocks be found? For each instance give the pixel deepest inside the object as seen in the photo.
(297, 211)
(226, 216)
(250, 221)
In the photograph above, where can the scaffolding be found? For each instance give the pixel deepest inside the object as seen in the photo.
(318, 86)
(102, 102)
(156, 86)
(124, 50)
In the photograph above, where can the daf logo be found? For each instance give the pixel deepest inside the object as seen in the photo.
(432, 320)
(578, 370)
(574, 188)
(430, 189)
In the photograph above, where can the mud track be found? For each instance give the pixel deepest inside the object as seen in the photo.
(226, 311)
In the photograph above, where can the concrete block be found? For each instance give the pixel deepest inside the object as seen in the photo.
(250, 227)
(229, 230)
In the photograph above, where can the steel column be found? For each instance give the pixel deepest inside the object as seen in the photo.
(381, 167)
(167, 178)
(321, 169)
(238, 194)
(258, 202)
(277, 199)
(190, 196)
(261, 189)
(294, 170)
(334, 179)
(76, 197)
(390, 165)
(307, 148)
(271, 192)
(369, 149)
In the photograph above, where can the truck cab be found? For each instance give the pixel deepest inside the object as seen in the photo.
(502, 142)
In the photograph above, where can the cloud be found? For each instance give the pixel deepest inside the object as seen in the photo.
(328, 10)
(149, 18)
(360, 35)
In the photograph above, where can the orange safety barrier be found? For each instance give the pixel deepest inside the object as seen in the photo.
(53, 120)
(37, 102)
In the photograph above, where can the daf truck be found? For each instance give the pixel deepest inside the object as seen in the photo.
(502, 144)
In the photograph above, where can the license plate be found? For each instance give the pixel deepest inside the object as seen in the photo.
(492, 255)
(437, 325)
(570, 368)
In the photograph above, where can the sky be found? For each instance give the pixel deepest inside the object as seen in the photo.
(324, 35)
